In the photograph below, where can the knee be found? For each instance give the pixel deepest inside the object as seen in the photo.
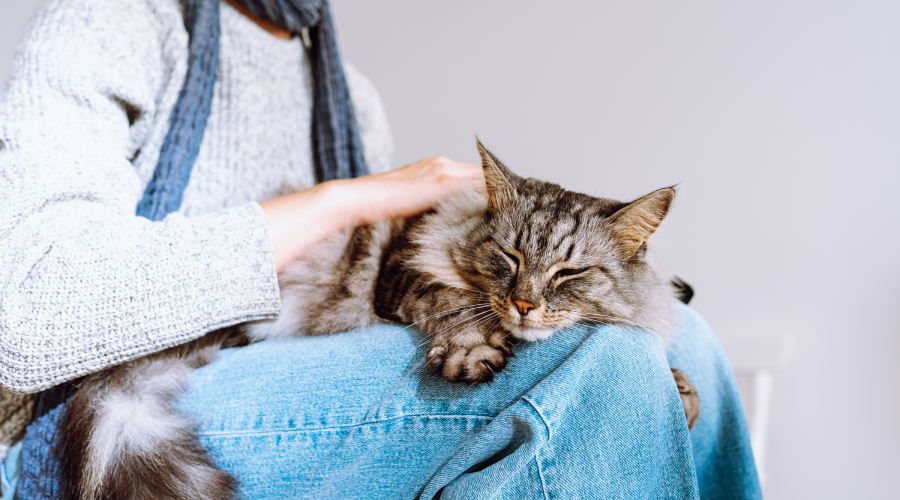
(629, 362)
(616, 378)
(609, 362)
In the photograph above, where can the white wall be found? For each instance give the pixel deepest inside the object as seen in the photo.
(781, 122)
(13, 16)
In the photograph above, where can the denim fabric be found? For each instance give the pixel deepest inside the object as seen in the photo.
(720, 440)
(9, 472)
(591, 413)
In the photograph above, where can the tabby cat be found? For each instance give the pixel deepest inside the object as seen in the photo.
(477, 274)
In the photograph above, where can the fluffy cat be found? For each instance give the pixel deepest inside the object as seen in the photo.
(477, 274)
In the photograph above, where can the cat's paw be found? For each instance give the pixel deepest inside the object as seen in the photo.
(461, 364)
(473, 365)
(689, 398)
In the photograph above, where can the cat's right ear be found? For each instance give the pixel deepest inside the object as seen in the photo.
(500, 182)
(634, 223)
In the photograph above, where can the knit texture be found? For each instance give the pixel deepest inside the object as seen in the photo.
(335, 137)
(86, 283)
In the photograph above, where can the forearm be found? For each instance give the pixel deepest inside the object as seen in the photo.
(88, 289)
(297, 221)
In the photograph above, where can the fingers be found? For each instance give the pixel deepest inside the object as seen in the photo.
(469, 171)
(439, 167)
(445, 166)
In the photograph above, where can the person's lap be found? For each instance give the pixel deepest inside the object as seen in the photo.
(592, 412)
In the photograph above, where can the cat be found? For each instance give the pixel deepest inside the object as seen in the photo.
(482, 271)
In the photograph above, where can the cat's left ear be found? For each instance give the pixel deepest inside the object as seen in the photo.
(633, 224)
(500, 182)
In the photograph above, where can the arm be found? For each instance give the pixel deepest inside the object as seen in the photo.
(84, 283)
(299, 220)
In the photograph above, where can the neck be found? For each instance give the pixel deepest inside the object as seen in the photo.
(274, 29)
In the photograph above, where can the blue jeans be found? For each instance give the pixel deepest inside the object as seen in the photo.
(591, 413)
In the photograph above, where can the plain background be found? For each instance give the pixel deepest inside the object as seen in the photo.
(780, 120)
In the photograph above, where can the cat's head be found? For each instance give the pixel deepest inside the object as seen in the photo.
(547, 258)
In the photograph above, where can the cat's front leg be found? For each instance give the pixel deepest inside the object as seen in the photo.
(468, 349)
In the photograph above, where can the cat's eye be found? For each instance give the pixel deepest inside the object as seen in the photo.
(513, 260)
(570, 272)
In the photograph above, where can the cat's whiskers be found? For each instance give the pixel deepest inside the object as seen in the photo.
(604, 320)
(467, 325)
(462, 323)
(467, 289)
(483, 322)
(473, 307)
(466, 328)
(466, 322)
(495, 325)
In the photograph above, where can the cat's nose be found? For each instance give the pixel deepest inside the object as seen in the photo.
(523, 306)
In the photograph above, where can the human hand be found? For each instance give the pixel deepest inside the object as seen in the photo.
(408, 190)
(295, 221)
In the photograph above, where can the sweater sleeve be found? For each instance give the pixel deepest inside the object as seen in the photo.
(84, 283)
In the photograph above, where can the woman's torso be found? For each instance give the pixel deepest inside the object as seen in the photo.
(256, 144)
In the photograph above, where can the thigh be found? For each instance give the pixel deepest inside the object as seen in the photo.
(358, 415)
(350, 415)
(590, 412)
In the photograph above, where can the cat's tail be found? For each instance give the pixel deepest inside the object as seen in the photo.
(123, 438)
(683, 291)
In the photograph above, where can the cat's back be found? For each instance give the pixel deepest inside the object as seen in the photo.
(449, 223)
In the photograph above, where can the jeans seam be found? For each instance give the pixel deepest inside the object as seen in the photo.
(252, 432)
(540, 470)
(540, 415)
(544, 420)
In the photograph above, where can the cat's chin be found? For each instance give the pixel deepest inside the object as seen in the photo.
(530, 334)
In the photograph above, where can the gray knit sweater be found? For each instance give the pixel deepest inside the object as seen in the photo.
(84, 283)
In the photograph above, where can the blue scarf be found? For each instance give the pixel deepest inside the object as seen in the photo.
(337, 154)
(336, 145)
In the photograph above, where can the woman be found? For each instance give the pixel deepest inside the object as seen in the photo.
(115, 104)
